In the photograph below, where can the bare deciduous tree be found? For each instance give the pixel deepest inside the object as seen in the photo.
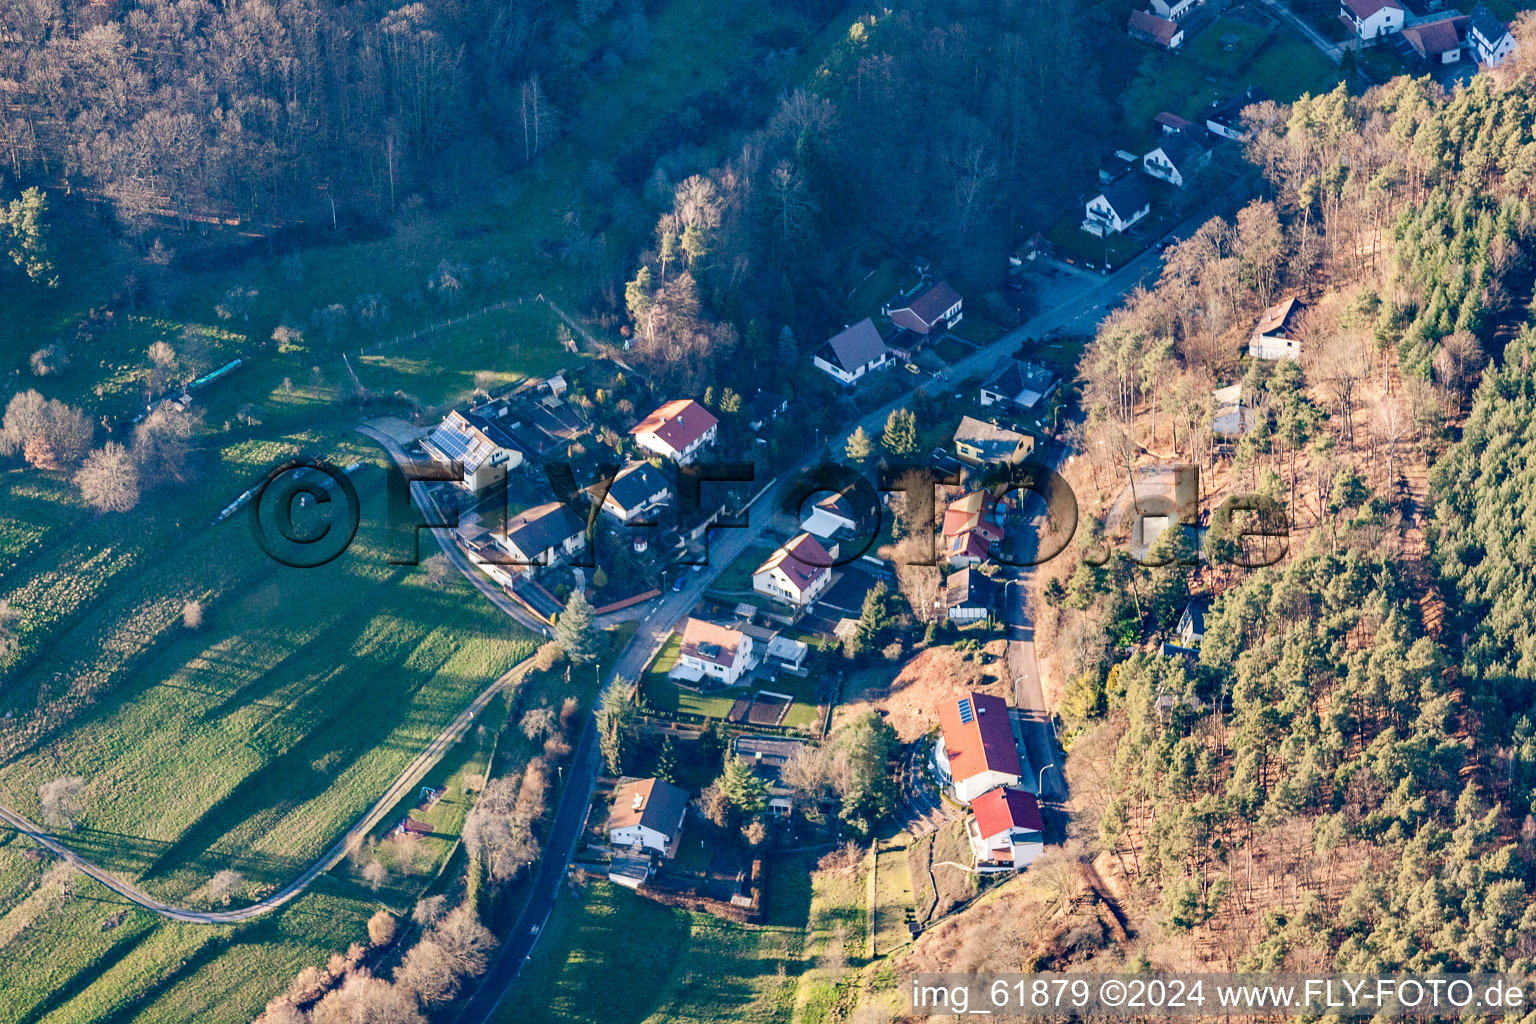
(109, 480)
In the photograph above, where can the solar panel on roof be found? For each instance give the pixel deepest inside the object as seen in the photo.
(966, 714)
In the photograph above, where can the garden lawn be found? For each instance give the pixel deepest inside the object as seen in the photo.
(610, 956)
(1210, 50)
(1292, 66)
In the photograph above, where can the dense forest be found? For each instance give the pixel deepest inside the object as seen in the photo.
(1343, 776)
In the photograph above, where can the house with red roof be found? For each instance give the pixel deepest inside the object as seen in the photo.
(976, 750)
(1150, 28)
(1372, 19)
(1006, 829)
(1438, 41)
(796, 573)
(935, 309)
(677, 430)
(1274, 336)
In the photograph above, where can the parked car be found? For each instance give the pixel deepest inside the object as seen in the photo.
(677, 584)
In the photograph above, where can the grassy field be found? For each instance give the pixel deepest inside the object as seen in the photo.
(1225, 46)
(609, 956)
(738, 575)
(893, 894)
(248, 743)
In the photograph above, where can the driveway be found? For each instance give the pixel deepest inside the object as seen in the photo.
(1333, 51)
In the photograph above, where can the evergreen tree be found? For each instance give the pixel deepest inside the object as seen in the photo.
(900, 437)
(576, 630)
(859, 445)
(615, 726)
(666, 761)
(742, 787)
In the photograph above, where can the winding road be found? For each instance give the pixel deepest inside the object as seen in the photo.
(398, 790)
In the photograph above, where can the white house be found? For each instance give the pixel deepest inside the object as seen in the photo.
(542, 534)
(1175, 9)
(976, 750)
(638, 489)
(1489, 38)
(677, 430)
(936, 309)
(853, 352)
(1116, 207)
(796, 573)
(648, 815)
(1274, 336)
(1373, 18)
(1006, 829)
(476, 441)
(713, 652)
(1176, 158)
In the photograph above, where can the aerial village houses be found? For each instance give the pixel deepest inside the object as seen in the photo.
(976, 749)
(1025, 385)
(1274, 336)
(1372, 19)
(1490, 38)
(972, 528)
(540, 535)
(647, 816)
(638, 489)
(712, 652)
(1149, 28)
(796, 573)
(1116, 207)
(477, 442)
(1006, 829)
(1177, 158)
(853, 352)
(987, 444)
(1174, 9)
(677, 430)
(937, 309)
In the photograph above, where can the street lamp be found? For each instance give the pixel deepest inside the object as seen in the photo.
(1040, 779)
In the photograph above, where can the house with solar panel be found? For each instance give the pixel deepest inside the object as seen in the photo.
(542, 535)
(710, 651)
(478, 442)
(976, 751)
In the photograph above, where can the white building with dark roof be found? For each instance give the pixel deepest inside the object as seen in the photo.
(1489, 38)
(1274, 336)
(1115, 208)
(647, 815)
(1177, 158)
(540, 535)
(1026, 385)
(637, 490)
(853, 352)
